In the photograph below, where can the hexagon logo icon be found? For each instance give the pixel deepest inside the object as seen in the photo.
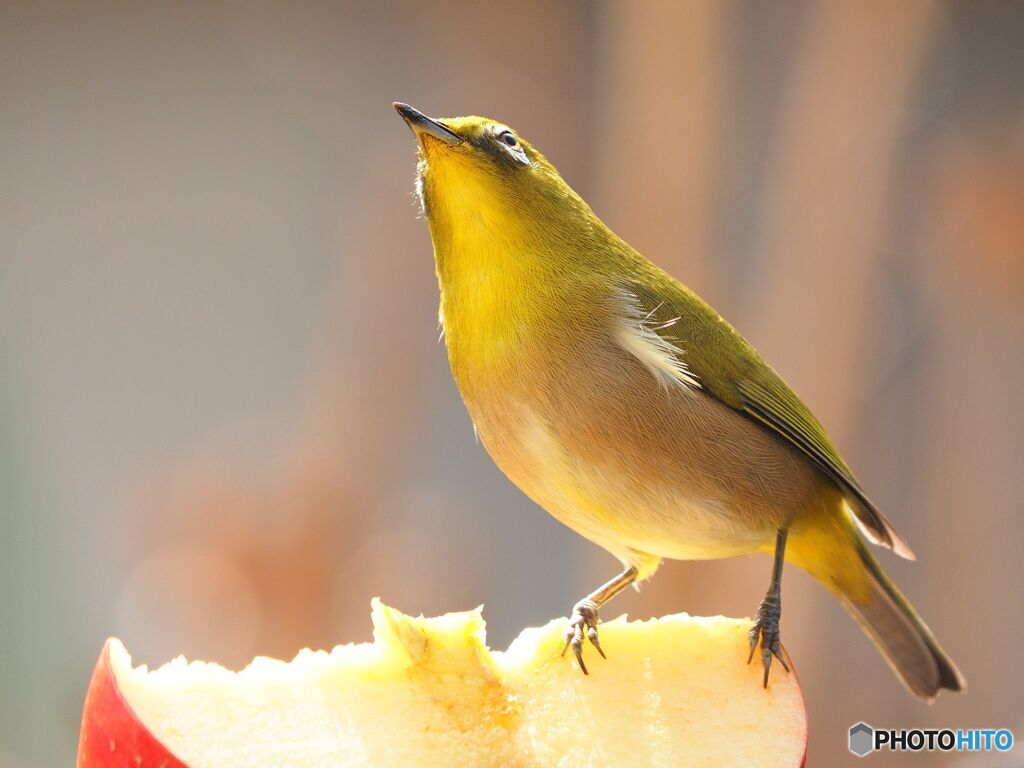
(862, 739)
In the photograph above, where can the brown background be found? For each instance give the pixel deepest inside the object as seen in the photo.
(225, 419)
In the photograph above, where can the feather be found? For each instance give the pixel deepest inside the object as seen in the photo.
(639, 336)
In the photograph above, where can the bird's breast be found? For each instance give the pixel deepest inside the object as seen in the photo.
(586, 430)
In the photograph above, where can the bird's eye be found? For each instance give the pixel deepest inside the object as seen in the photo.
(512, 145)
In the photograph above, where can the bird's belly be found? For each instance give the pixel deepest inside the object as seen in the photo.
(640, 470)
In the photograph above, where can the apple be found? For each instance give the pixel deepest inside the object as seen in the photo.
(427, 691)
(112, 734)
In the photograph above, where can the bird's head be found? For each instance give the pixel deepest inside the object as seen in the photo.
(478, 181)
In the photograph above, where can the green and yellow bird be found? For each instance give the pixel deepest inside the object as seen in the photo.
(619, 401)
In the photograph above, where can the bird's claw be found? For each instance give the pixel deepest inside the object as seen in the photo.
(584, 616)
(766, 629)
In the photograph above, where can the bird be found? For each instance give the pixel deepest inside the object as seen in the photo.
(625, 406)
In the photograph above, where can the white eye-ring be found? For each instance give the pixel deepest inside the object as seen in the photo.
(511, 144)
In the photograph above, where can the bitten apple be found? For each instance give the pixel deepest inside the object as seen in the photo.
(427, 691)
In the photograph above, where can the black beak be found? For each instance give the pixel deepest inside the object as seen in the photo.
(420, 124)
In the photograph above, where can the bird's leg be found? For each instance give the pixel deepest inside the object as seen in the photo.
(769, 613)
(584, 615)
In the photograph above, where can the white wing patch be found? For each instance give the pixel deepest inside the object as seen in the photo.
(639, 336)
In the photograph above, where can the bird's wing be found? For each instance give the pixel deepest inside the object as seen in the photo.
(730, 370)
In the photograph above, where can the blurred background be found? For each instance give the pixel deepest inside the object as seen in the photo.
(225, 418)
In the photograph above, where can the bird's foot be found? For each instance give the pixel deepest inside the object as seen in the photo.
(583, 620)
(766, 628)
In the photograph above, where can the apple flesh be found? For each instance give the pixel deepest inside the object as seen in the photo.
(674, 691)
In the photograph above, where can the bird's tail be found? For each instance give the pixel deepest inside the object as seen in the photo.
(882, 611)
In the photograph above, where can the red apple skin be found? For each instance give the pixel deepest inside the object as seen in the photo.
(112, 735)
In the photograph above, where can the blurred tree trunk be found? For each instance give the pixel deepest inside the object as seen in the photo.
(823, 220)
(656, 151)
